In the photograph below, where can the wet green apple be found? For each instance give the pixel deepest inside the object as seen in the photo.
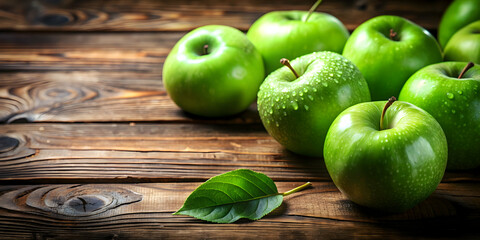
(453, 99)
(458, 15)
(297, 107)
(388, 50)
(389, 166)
(213, 71)
(291, 34)
(464, 46)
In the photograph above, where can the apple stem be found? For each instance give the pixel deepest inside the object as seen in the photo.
(469, 65)
(285, 62)
(297, 189)
(387, 105)
(312, 9)
(205, 49)
(393, 34)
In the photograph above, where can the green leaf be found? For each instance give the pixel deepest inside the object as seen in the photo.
(233, 195)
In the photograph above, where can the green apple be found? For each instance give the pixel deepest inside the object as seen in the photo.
(213, 71)
(465, 44)
(388, 50)
(297, 111)
(390, 168)
(458, 14)
(455, 104)
(291, 34)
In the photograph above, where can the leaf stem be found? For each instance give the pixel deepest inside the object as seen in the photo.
(469, 65)
(297, 189)
(387, 105)
(285, 62)
(312, 9)
(393, 34)
(205, 49)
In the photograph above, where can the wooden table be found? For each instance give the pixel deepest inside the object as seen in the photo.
(91, 146)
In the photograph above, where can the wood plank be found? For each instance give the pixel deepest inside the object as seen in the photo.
(140, 52)
(70, 153)
(121, 81)
(145, 152)
(93, 96)
(143, 211)
(183, 15)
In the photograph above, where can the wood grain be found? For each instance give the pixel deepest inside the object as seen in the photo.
(148, 152)
(155, 152)
(183, 15)
(89, 78)
(134, 211)
(93, 96)
(121, 52)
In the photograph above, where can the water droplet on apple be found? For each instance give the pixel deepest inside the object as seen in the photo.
(300, 93)
(325, 84)
(294, 94)
(277, 99)
(305, 90)
(276, 124)
(294, 105)
(450, 95)
(310, 97)
(331, 74)
(315, 90)
(460, 92)
(283, 106)
(271, 111)
(285, 114)
(306, 107)
(453, 111)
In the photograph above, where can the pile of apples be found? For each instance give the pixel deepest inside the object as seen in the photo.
(383, 155)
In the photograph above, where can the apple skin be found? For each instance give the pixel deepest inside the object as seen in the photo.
(458, 15)
(284, 34)
(221, 83)
(390, 170)
(454, 103)
(387, 64)
(465, 44)
(297, 112)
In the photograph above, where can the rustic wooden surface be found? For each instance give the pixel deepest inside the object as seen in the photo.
(91, 146)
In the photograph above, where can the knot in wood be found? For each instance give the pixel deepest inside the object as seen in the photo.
(68, 201)
(8, 144)
(55, 19)
(86, 203)
(86, 200)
